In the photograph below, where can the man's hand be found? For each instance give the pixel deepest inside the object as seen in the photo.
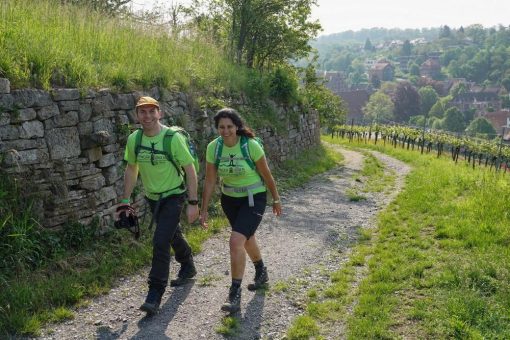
(123, 207)
(192, 213)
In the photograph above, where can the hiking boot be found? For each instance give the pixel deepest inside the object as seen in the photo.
(151, 304)
(187, 272)
(233, 302)
(260, 279)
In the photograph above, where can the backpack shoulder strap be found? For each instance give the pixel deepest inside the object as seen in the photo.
(167, 147)
(138, 141)
(217, 151)
(245, 150)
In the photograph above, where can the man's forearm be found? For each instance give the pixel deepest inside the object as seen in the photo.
(130, 176)
(192, 182)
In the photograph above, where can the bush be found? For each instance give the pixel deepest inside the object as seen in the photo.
(283, 85)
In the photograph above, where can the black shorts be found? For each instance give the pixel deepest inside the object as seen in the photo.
(243, 218)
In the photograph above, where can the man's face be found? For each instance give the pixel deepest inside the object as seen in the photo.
(148, 116)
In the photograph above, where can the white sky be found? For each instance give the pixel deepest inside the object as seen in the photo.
(342, 15)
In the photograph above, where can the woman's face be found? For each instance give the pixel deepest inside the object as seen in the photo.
(227, 128)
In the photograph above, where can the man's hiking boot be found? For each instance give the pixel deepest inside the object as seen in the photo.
(260, 279)
(151, 304)
(187, 272)
(233, 302)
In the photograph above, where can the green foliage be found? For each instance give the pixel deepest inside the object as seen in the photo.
(331, 108)
(264, 33)
(441, 256)
(229, 326)
(283, 85)
(379, 108)
(439, 108)
(481, 125)
(453, 120)
(304, 327)
(310, 162)
(407, 101)
(45, 44)
(428, 97)
(110, 7)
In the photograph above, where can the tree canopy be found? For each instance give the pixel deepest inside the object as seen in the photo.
(261, 33)
(481, 125)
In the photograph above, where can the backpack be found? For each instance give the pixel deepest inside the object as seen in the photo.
(167, 147)
(245, 150)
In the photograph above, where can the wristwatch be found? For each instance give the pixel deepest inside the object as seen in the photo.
(193, 202)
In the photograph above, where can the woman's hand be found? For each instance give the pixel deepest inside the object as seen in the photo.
(277, 208)
(203, 219)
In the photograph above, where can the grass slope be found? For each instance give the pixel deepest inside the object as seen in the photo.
(438, 266)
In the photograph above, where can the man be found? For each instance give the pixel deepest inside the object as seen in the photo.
(165, 189)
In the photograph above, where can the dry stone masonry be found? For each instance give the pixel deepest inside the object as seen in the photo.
(66, 146)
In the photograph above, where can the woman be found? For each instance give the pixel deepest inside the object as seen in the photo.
(239, 160)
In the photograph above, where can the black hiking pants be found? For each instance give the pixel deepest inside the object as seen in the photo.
(168, 233)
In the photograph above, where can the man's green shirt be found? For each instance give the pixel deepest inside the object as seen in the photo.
(156, 171)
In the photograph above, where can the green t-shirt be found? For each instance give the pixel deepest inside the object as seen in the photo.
(236, 172)
(156, 171)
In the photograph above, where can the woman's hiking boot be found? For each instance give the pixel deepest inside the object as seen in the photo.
(152, 302)
(260, 279)
(233, 302)
(187, 272)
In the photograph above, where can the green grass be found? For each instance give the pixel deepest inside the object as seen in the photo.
(298, 171)
(377, 179)
(44, 44)
(304, 327)
(229, 326)
(439, 262)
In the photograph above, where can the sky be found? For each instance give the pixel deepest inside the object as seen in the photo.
(342, 15)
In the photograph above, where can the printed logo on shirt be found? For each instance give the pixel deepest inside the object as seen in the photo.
(232, 166)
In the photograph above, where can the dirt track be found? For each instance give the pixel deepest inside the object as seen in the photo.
(312, 238)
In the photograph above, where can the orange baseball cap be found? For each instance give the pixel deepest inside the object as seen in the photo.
(147, 101)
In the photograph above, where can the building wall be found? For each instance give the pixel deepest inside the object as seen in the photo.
(67, 147)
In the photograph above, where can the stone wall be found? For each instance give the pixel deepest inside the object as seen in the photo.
(66, 147)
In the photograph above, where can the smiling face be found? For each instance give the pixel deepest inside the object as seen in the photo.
(149, 116)
(228, 130)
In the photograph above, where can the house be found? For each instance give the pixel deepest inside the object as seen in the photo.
(430, 68)
(479, 99)
(382, 71)
(499, 119)
(355, 100)
(335, 81)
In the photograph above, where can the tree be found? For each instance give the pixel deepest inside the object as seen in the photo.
(406, 48)
(414, 69)
(453, 120)
(358, 74)
(379, 108)
(368, 46)
(331, 108)
(265, 32)
(506, 83)
(407, 101)
(439, 108)
(428, 98)
(481, 125)
(445, 32)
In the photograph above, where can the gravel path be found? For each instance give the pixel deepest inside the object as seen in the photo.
(312, 237)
